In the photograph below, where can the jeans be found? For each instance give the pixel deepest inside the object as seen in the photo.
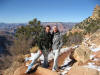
(45, 54)
(38, 54)
(56, 54)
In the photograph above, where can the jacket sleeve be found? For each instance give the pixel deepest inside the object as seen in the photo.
(39, 41)
(61, 42)
(51, 42)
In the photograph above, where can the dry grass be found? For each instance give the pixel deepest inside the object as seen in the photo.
(17, 62)
(14, 66)
(34, 49)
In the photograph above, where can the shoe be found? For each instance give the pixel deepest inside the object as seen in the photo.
(45, 66)
(56, 70)
(31, 68)
(53, 70)
(27, 72)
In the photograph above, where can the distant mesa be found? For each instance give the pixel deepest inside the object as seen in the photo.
(11, 27)
(96, 13)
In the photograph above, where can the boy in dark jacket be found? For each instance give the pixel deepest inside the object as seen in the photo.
(45, 45)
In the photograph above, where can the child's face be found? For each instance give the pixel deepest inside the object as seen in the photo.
(47, 29)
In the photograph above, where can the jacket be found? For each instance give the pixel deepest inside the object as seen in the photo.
(57, 40)
(45, 41)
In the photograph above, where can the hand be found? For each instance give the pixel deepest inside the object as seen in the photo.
(40, 52)
(50, 49)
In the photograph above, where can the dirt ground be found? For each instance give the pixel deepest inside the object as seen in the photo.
(42, 71)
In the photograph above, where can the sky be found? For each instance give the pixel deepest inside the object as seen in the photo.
(22, 11)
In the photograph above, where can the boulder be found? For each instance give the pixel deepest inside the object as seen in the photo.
(82, 54)
(80, 70)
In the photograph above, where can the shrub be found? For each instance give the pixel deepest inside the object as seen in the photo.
(12, 68)
(73, 39)
(26, 37)
(92, 28)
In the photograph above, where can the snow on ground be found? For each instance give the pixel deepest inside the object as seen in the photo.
(92, 46)
(32, 56)
(92, 66)
(66, 62)
(67, 68)
(92, 56)
(51, 56)
(95, 49)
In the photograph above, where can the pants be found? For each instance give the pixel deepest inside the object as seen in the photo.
(56, 54)
(38, 54)
(45, 54)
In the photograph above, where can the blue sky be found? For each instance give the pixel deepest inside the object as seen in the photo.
(22, 11)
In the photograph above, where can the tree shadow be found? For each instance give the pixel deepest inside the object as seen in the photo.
(5, 42)
(69, 64)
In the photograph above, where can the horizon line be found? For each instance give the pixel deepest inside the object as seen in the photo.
(42, 22)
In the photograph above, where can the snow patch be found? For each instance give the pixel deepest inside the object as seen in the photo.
(33, 55)
(95, 49)
(67, 68)
(92, 56)
(50, 56)
(92, 66)
(67, 60)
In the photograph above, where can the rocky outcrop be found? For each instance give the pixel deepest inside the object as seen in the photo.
(87, 56)
(74, 30)
(94, 39)
(82, 54)
(81, 70)
(96, 13)
(39, 71)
